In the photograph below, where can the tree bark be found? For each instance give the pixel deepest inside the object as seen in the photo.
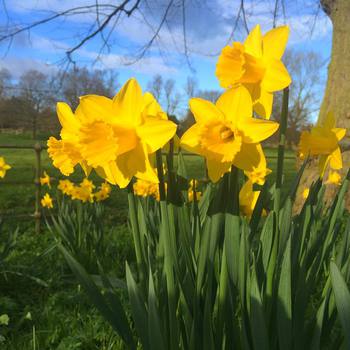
(337, 93)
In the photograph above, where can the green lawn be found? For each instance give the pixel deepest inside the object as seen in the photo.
(19, 199)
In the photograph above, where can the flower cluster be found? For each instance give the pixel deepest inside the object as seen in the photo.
(113, 136)
(144, 188)
(3, 167)
(84, 191)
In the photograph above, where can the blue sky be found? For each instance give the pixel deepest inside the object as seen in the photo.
(208, 27)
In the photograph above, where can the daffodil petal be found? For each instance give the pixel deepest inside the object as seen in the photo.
(128, 103)
(111, 173)
(257, 130)
(250, 156)
(253, 43)
(217, 169)
(339, 133)
(96, 108)
(262, 100)
(204, 110)
(151, 108)
(276, 77)
(335, 161)
(70, 124)
(190, 140)
(275, 41)
(236, 103)
(156, 132)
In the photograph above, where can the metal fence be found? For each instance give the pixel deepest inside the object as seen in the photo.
(37, 149)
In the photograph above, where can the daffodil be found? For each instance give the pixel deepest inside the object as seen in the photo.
(103, 192)
(334, 178)
(323, 141)
(144, 188)
(306, 192)
(65, 153)
(248, 198)
(256, 64)
(226, 134)
(46, 201)
(45, 180)
(118, 135)
(3, 167)
(258, 174)
(65, 186)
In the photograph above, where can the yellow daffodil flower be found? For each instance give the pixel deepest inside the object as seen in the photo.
(103, 193)
(65, 186)
(88, 184)
(323, 141)
(118, 134)
(45, 180)
(3, 167)
(258, 174)
(65, 153)
(257, 65)
(83, 194)
(144, 188)
(226, 134)
(248, 198)
(334, 178)
(306, 192)
(46, 201)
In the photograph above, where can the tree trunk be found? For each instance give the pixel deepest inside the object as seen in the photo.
(337, 93)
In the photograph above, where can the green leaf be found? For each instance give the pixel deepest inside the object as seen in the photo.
(118, 320)
(342, 300)
(284, 303)
(138, 308)
(257, 320)
(154, 325)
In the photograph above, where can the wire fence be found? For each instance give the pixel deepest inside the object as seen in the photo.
(38, 149)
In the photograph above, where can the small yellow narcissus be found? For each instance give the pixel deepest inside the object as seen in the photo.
(256, 64)
(45, 180)
(103, 193)
(65, 186)
(334, 178)
(323, 141)
(193, 187)
(46, 201)
(3, 167)
(226, 134)
(306, 192)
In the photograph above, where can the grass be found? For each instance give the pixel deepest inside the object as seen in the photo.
(58, 315)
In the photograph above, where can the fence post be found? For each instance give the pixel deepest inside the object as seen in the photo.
(37, 213)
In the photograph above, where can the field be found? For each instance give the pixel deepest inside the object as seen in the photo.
(46, 309)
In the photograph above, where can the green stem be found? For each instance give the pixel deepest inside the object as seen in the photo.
(160, 175)
(136, 232)
(281, 149)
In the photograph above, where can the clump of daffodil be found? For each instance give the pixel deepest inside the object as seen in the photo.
(66, 186)
(226, 134)
(248, 198)
(45, 180)
(144, 188)
(3, 167)
(256, 64)
(115, 136)
(322, 141)
(193, 188)
(103, 192)
(334, 178)
(46, 201)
